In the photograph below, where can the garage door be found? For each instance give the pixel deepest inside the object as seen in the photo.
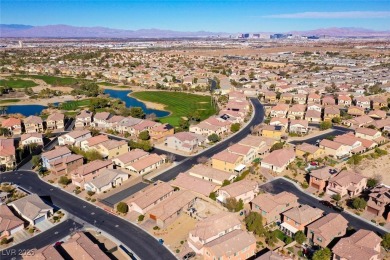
(315, 186)
(13, 231)
(40, 219)
(371, 210)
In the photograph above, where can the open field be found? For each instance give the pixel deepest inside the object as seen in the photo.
(73, 105)
(179, 104)
(9, 101)
(17, 83)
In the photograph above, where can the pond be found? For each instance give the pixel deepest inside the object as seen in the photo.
(133, 102)
(26, 110)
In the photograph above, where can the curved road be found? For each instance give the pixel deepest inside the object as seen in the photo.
(189, 162)
(139, 241)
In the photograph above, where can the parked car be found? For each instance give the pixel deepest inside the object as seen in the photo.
(189, 255)
(338, 208)
(326, 203)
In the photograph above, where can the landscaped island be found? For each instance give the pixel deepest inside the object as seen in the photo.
(179, 104)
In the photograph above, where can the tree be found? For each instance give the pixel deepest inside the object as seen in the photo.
(144, 135)
(371, 182)
(225, 183)
(213, 138)
(386, 241)
(325, 125)
(233, 205)
(336, 120)
(355, 159)
(122, 207)
(336, 197)
(141, 218)
(36, 160)
(235, 127)
(359, 203)
(254, 223)
(300, 237)
(322, 254)
(277, 146)
(137, 112)
(94, 131)
(4, 131)
(64, 180)
(213, 196)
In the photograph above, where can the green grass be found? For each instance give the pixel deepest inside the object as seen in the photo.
(179, 104)
(280, 234)
(106, 84)
(9, 101)
(73, 105)
(17, 83)
(52, 80)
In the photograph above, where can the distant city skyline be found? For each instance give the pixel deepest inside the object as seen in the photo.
(229, 16)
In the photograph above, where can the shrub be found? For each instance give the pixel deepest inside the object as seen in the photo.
(213, 138)
(156, 228)
(235, 127)
(325, 125)
(177, 251)
(336, 197)
(359, 203)
(144, 135)
(141, 218)
(31, 230)
(304, 185)
(288, 240)
(55, 218)
(213, 196)
(64, 180)
(4, 241)
(300, 237)
(90, 193)
(371, 182)
(122, 207)
(277, 146)
(373, 221)
(93, 200)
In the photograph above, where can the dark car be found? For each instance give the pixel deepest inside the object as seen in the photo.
(58, 243)
(189, 255)
(338, 208)
(326, 203)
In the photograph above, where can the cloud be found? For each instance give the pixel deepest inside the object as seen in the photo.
(332, 15)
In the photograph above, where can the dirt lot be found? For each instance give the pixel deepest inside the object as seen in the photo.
(380, 166)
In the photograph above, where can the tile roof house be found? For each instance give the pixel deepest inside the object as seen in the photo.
(271, 206)
(319, 177)
(83, 119)
(66, 164)
(14, 125)
(89, 171)
(100, 120)
(7, 153)
(359, 121)
(53, 155)
(226, 161)
(244, 190)
(272, 255)
(322, 231)
(32, 209)
(33, 124)
(297, 111)
(346, 183)
(212, 125)
(32, 138)
(196, 185)
(379, 202)
(159, 132)
(273, 131)
(106, 147)
(309, 151)
(313, 98)
(126, 159)
(248, 153)
(313, 116)
(55, 121)
(331, 112)
(171, 208)
(9, 223)
(328, 100)
(45, 253)
(296, 219)
(280, 110)
(79, 246)
(299, 126)
(184, 141)
(211, 228)
(369, 134)
(145, 199)
(236, 245)
(356, 111)
(335, 149)
(363, 101)
(278, 160)
(211, 174)
(277, 121)
(257, 142)
(74, 137)
(147, 163)
(107, 179)
(377, 114)
(363, 244)
(378, 102)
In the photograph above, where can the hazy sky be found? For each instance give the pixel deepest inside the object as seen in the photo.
(216, 16)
